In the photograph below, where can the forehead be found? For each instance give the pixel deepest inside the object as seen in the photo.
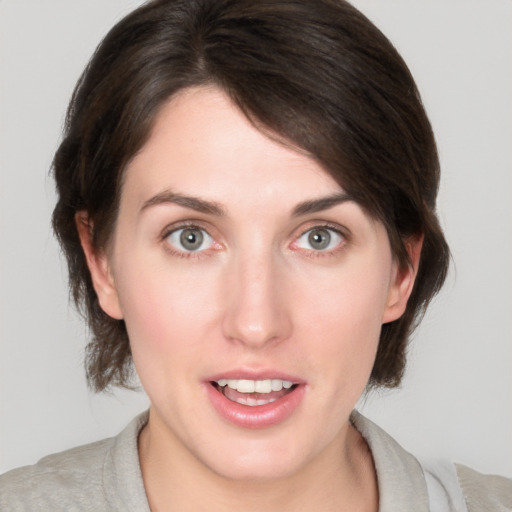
(202, 144)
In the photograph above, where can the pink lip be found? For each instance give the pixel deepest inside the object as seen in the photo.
(260, 416)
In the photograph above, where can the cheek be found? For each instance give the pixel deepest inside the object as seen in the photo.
(343, 315)
(351, 300)
(165, 308)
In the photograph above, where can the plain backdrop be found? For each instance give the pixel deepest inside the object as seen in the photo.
(456, 399)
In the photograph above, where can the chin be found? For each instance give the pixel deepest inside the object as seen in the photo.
(247, 469)
(259, 460)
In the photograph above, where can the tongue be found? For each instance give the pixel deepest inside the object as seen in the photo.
(235, 395)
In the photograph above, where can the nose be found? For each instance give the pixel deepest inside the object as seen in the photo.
(256, 309)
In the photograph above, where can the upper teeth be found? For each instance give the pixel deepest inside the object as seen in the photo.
(255, 386)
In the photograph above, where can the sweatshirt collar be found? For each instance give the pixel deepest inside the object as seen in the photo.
(400, 478)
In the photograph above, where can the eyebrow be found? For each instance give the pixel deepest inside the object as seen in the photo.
(213, 208)
(320, 204)
(194, 203)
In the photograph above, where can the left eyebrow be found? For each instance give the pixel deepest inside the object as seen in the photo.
(320, 204)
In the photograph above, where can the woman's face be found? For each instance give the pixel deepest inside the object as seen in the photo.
(237, 262)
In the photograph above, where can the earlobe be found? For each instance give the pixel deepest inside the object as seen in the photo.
(98, 265)
(402, 281)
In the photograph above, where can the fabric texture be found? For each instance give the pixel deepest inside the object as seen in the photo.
(444, 491)
(106, 476)
(485, 492)
(100, 477)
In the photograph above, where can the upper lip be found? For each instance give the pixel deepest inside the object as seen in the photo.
(248, 374)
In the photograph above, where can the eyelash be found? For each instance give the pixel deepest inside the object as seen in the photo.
(185, 254)
(311, 253)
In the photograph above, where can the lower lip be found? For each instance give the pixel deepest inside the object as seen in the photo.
(259, 416)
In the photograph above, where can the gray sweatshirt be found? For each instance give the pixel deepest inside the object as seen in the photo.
(106, 476)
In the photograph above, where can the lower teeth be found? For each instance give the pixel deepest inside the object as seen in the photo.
(246, 400)
(252, 402)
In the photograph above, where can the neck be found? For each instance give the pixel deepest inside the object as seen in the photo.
(341, 478)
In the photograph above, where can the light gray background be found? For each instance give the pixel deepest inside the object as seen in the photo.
(456, 399)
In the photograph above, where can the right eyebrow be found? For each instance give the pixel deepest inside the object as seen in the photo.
(194, 203)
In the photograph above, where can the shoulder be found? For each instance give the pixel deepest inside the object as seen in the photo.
(484, 492)
(407, 483)
(102, 476)
(57, 481)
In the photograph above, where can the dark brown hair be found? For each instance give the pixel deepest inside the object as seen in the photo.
(315, 73)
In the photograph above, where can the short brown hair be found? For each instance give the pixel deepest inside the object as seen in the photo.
(316, 73)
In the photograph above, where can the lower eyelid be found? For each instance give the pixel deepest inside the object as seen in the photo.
(336, 232)
(214, 245)
(209, 240)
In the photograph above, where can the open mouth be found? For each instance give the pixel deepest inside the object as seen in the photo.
(253, 392)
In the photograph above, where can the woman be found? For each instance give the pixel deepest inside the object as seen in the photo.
(247, 203)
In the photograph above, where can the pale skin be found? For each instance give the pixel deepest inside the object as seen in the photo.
(258, 294)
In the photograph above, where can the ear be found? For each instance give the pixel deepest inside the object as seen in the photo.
(402, 281)
(97, 262)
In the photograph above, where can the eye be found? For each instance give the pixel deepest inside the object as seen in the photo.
(190, 239)
(320, 239)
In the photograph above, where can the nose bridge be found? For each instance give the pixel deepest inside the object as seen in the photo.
(255, 312)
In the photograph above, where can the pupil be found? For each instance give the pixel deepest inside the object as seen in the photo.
(319, 239)
(191, 239)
